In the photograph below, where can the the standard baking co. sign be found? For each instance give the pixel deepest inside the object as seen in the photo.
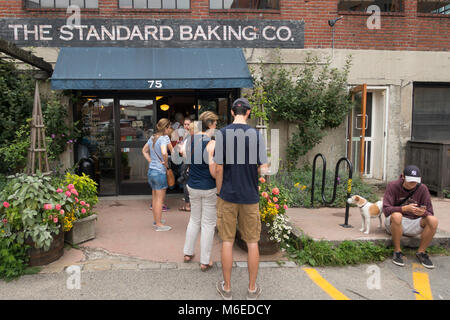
(154, 33)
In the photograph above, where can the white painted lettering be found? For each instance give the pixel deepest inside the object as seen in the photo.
(213, 31)
(16, 30)
(264, 33)
(152, 31)
(186, 33)
(120, 37)
(65, 33)
(92, 33)
(111, 35)
(26, 32)
(161, 33)
(136, 33)
(252, 35)
(288, 32)
(200, 33)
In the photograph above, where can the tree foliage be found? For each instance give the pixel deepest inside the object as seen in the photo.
(313, 97)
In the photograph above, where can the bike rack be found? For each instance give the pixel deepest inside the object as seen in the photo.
(349, 184)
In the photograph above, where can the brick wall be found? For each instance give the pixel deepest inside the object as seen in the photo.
(399, 31)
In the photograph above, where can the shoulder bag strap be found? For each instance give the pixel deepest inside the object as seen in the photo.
(410, 194)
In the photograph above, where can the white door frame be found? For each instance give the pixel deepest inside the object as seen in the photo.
(385, 129)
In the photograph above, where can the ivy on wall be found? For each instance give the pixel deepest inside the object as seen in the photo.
(314, 98)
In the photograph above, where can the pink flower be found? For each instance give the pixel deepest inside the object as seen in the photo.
(75, 192)
(58, 207)
(285, 206)
(59, 190)
(6, 204)
(70, 187)
(82, 203)
(68, 193)
(265, 195)
(262, 180)
(83, 210)
(88, 205)
(276, 191)
(277, 206)
(5, 221)
(76, 200)
(61, 212)
(275, 199)
(50, 217)
(55, 220)
(48, 206)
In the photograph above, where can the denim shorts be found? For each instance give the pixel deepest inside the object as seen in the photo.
(157, 179)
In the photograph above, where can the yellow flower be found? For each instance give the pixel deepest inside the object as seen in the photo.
(297, 184)
(303, 188)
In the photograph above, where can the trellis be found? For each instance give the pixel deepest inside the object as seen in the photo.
(37, 154)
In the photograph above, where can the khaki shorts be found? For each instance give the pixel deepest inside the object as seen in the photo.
(247, 215)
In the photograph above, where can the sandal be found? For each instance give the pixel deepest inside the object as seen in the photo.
(188, 258)
(184, 209)
(205, 267)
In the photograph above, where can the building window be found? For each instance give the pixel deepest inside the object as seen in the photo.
(154, 4)
(85, 4)
(431, 112)
(244, 4)
(433, 6)
(362, 5)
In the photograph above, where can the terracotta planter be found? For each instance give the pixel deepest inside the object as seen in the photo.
(82, 230)
(266, 246)
(39, 257)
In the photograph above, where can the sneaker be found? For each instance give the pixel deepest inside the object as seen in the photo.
(163, 221)
(425, 260)
(226, 295)
(398, 258)
(163, 228)
(253, 295)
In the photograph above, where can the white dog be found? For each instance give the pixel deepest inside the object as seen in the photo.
(368, 210)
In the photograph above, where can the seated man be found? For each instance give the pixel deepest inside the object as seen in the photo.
(408, 210)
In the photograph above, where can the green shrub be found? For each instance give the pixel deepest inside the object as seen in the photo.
(446, 193)
(13, 258)
(322, 253)
(296, 184)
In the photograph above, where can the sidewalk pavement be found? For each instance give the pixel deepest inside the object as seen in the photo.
(126, 240)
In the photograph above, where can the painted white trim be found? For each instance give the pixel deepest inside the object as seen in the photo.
(386, 124)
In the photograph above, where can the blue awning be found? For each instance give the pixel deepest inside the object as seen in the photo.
(150, 69)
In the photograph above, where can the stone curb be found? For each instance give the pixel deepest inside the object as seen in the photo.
(105, 265)
(441, 238)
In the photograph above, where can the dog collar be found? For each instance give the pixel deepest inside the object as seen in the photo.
(364, 204)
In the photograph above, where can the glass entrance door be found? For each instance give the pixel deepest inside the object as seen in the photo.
(137, 122)
(96, 144)
(219, 105)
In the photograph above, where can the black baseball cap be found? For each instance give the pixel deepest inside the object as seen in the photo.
(412, 174)
(241, 102)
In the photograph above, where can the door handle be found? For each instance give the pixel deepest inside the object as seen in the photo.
(365, 125)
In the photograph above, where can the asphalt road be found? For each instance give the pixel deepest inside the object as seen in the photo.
(383, 281)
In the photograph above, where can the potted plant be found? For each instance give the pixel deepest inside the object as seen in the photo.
(79, 222)
(274, 222)
(29, 216)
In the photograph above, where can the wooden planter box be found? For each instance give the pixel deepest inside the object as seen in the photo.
(82, 230)
(39, 257)
(265, 245)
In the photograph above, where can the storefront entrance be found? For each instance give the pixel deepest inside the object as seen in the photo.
(115, 127)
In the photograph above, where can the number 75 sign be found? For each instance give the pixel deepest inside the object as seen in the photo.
(157, 84)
